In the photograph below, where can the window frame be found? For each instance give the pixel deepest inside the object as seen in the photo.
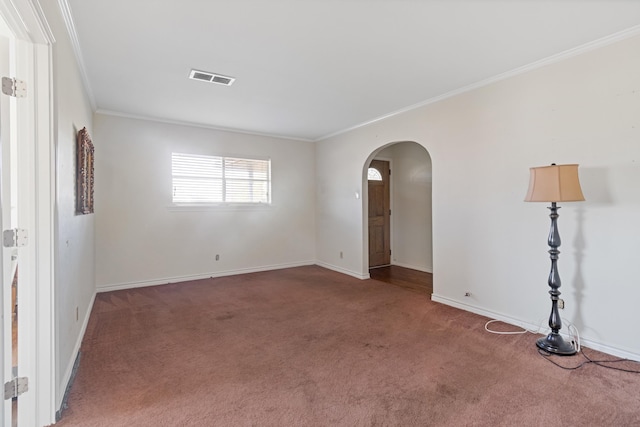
(206, 205)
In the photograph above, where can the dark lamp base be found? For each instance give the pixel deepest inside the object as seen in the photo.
(555, 344)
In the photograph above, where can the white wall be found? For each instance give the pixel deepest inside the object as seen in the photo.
(75, 238)
(486, 240)
(411, 181)
(141, 240)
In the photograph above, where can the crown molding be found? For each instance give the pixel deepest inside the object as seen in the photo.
(604, 41)
(197, 125)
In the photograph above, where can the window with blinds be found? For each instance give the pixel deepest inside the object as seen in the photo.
(213, 179)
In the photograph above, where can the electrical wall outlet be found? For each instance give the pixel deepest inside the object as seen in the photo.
(561, 303)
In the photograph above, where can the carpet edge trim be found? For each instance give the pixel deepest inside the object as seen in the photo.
(413, 267)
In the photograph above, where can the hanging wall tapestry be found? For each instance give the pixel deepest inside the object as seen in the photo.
(84, 173)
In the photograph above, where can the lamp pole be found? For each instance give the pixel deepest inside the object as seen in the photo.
(553, 342)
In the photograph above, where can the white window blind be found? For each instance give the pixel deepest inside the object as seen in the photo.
(214, 179)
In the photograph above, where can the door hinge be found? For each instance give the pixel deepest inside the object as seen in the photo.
(389, 212)
(14, 87)
(14, 238)
(16, 387)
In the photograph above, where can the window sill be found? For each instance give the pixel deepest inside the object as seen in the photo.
(186, 207)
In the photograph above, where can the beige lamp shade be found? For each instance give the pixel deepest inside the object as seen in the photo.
(555, 183)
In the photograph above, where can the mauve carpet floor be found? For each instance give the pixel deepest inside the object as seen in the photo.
(311, 347)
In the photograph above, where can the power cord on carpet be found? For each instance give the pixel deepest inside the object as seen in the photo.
(600, 363)
(575, 335)
(523, 331)
(573, 331)
(575, 341)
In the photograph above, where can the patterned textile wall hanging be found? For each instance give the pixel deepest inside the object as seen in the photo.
(84, 173)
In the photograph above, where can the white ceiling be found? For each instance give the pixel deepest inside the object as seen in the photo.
(307, 69)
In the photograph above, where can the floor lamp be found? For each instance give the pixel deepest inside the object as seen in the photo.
(555, 183)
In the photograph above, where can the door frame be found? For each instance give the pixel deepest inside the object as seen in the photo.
(390, 187)
(365, 207)
(6, 293)
(36, 190)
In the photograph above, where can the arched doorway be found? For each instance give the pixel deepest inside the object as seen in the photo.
(409, 239)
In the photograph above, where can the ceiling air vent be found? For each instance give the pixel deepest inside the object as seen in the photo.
(211, 77)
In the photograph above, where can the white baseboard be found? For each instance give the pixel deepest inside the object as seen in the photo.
(186, 278)
(343, 270)
(483, 312)
(413, 267)
(585, 342)
(74, 354)
(614, 351)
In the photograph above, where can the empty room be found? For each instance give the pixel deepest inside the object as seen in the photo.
(320, 212)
